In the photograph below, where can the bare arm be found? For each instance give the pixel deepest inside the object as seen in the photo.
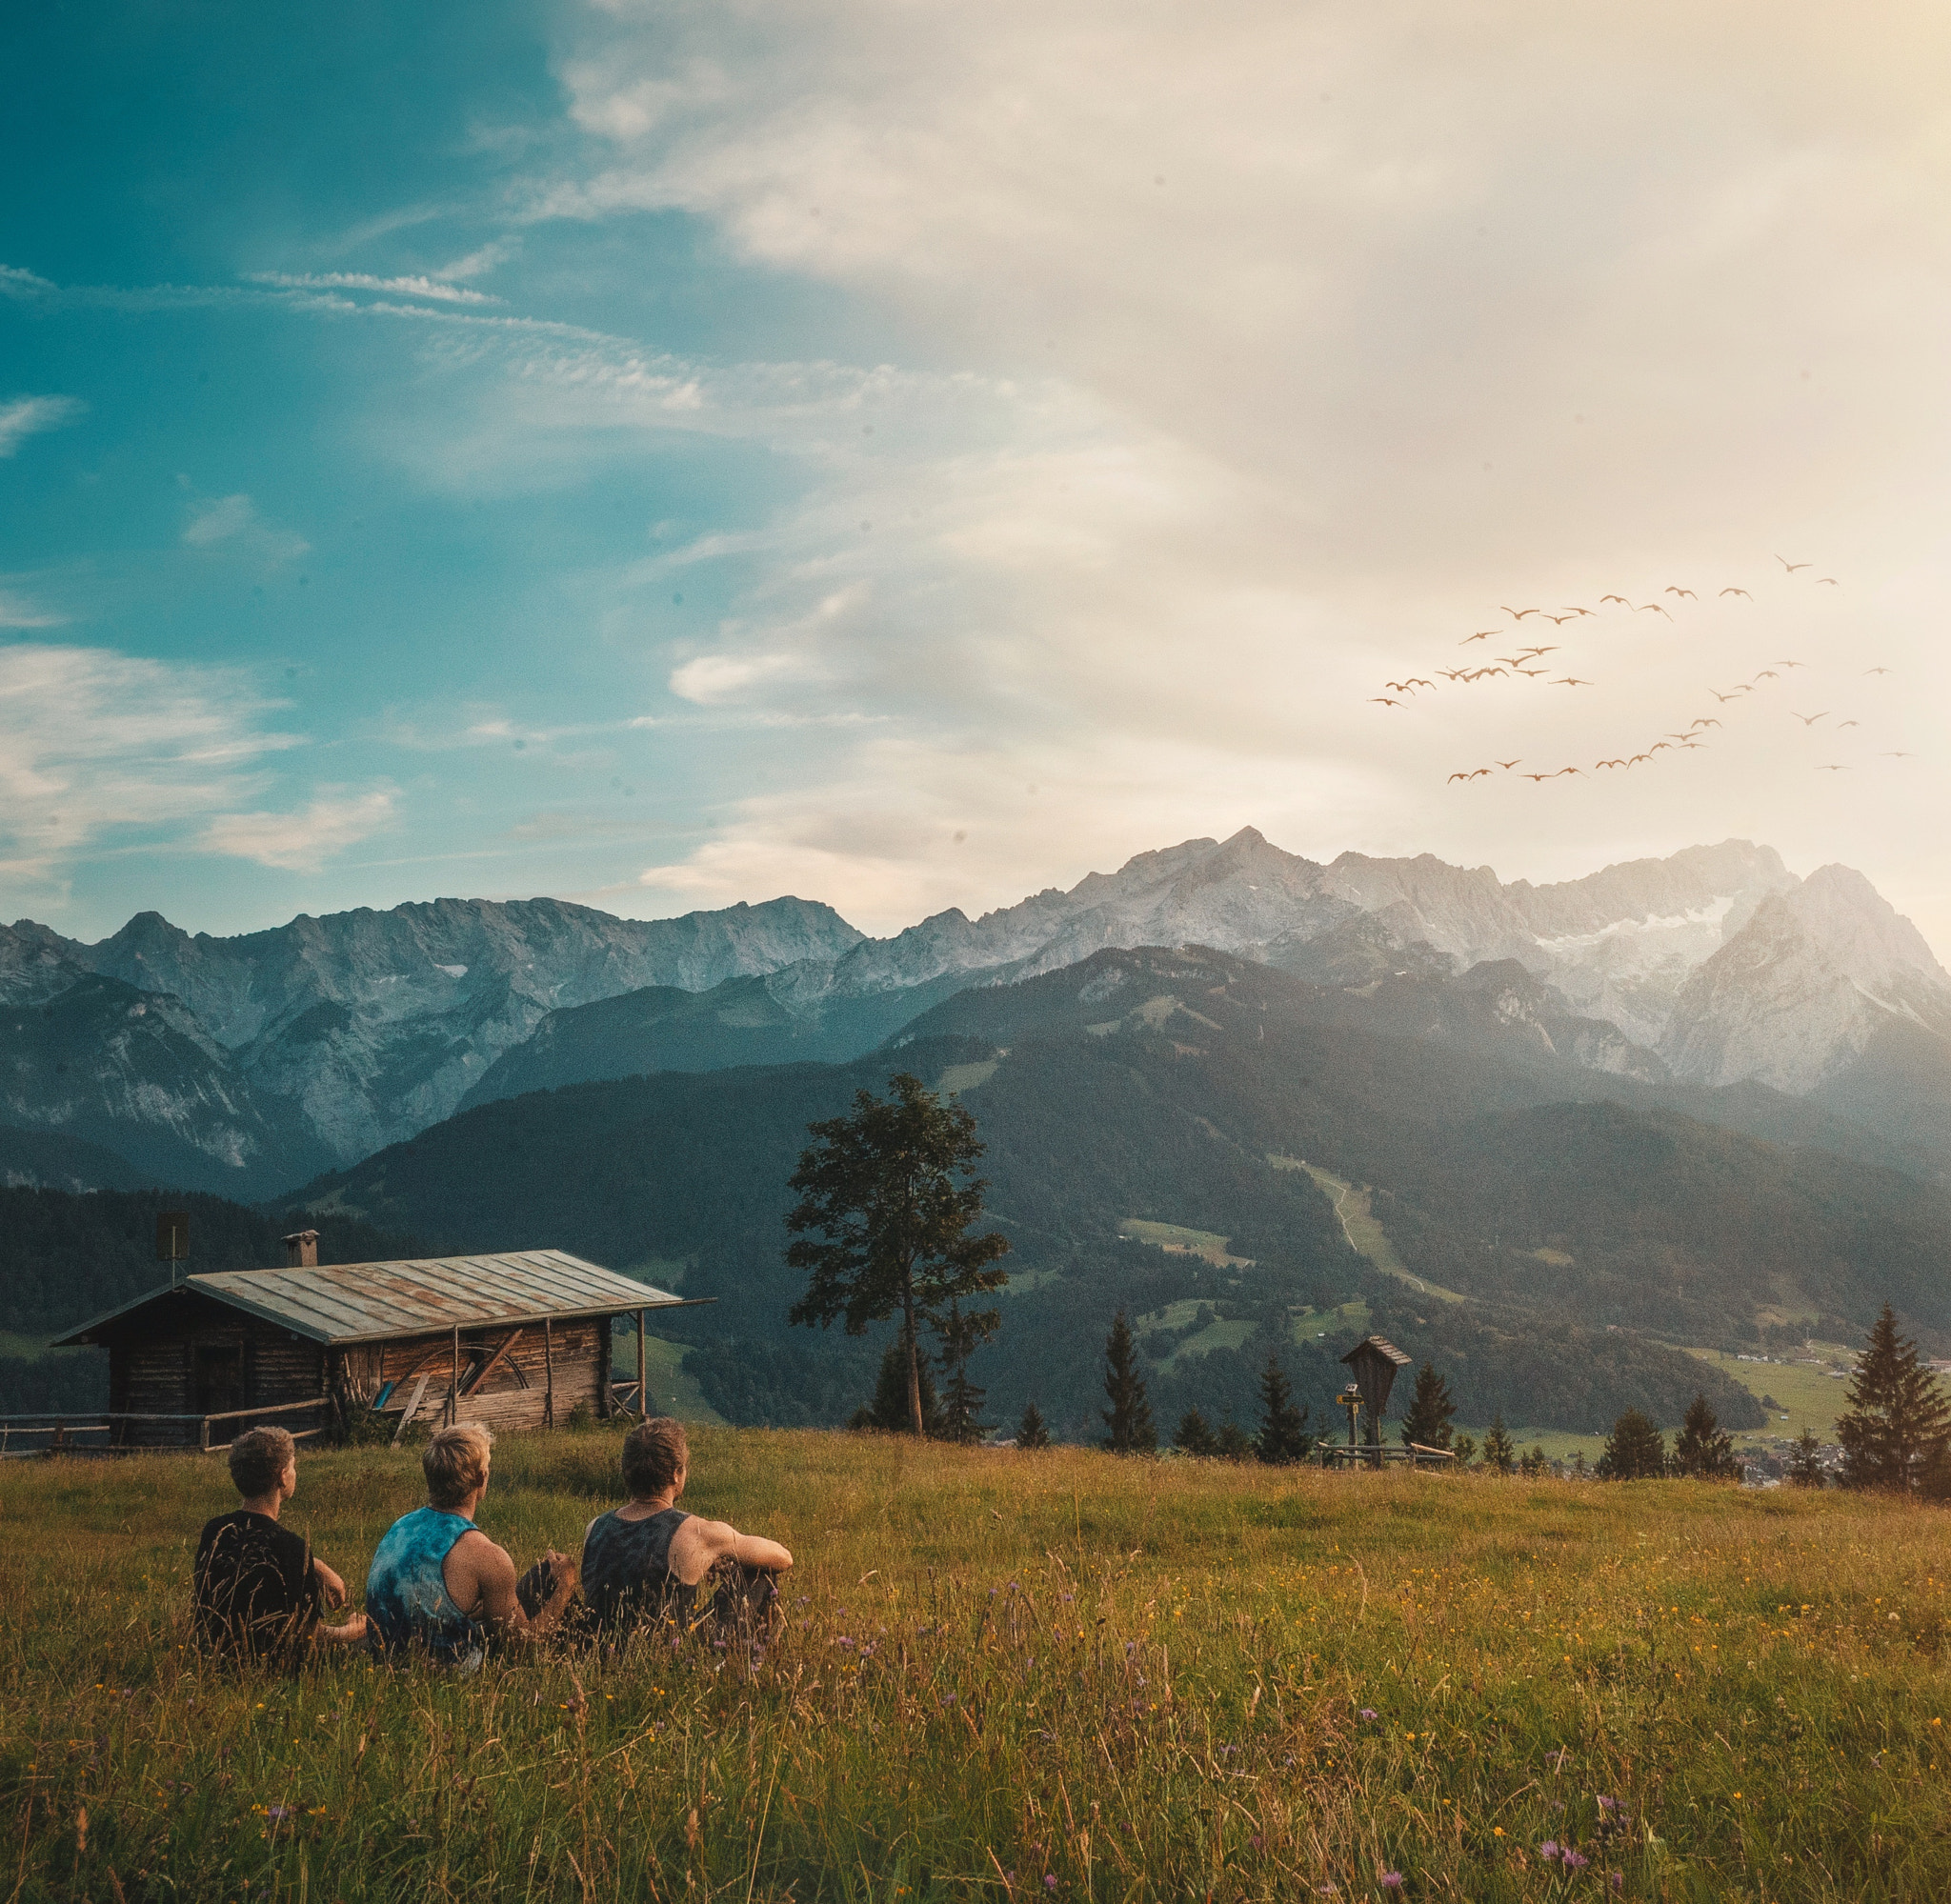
(701, 1544)
(481, 1579)
(331, 1589)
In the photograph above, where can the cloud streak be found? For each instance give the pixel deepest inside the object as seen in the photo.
(27, 416)
(303, 840)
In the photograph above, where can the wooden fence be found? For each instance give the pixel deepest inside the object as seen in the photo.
(59, 1429)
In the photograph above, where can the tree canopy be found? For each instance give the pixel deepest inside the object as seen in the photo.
(1635, 1451)
(881, 1190)
(1896, 1427)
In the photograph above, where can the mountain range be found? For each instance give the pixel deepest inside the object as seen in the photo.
(249, 1063)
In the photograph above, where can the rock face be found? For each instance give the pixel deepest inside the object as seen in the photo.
(252, 1061)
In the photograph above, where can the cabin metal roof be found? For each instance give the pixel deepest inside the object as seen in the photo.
(371, 1302)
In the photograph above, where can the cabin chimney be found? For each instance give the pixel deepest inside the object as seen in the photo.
(301, 1250)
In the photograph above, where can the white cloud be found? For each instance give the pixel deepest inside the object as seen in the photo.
(1297, 337)
(301, 841)
(410, 286)
(98, 747)
(18, 611)
(236, 518)
(25, 417)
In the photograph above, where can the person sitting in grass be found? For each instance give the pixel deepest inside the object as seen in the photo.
(438, 1587)
(258, 1586)
(644, 1562)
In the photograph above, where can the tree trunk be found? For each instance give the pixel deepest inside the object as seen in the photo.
(913, 1364)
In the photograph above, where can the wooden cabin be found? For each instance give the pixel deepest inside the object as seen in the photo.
(512, 1341)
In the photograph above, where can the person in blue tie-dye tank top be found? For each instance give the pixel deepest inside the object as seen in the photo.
(438, 1587)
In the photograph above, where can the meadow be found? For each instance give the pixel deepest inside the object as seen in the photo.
(1012, 1676)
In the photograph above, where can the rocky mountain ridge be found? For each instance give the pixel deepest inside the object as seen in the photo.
(259, 1058)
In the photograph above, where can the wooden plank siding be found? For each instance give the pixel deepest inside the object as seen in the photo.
(515, 1392)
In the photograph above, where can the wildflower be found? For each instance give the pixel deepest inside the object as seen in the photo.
(1549, 1849)
(279, 1812)
(1392, 1880)
(1616, 1881)
(1049, 1881)
(1573, 1861)
(1257, 1842)
(1368, 1712)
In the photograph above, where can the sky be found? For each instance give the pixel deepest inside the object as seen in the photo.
(663, 456)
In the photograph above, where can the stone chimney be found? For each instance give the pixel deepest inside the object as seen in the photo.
(301, 1250)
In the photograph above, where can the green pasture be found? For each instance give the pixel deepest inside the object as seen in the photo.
(1010, 1676)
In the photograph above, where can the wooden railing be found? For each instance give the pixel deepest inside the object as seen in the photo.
(1368, 1454)
(115, 1423)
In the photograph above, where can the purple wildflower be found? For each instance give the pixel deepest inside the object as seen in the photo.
(1573, 1861)
(1257, 1842)
(1616, 1881)
(1368, 1712)
(281, 1811)
(1548, 1849)
(1048, 1880)
(1392, 1880)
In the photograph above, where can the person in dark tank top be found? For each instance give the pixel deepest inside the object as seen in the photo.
(644, 1562)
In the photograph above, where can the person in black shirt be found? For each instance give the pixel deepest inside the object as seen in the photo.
(259, 1587)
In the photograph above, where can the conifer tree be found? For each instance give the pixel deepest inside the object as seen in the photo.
(1633, 1452)
(1701, 1450)
(962, 1401)
(1806, 1461)
(1031, 1430)
(1464, 1448)
(1129, 1418)
(1427, 1424)
(1234, 1443)
(1533, 1464)
(881, 1188)
(1283, 1439)
(1499, 1455)
(889, 1410)
(1194, 1436)
(1579, 1471)
(1897, 1428)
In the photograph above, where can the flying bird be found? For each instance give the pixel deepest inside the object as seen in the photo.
(1657, 609)
(1534, 672)
(1791, 567)
(1558, 621)
(1507, 765)
(1480, 774)
(1638, 758)
(1517, 613)
(1564, 771)
(1896, 756)
(1620, 599)
(1570, 681)
(1456, 776)
(1791, 663)
(1741, 592)
(1542, 649)
(1705, 722)
(1656, 746)
(1685, 594)
(1841, 725)
(1830, 579)
(1482, 634)
(1766, 674)
(1534, 776)
(1832, 767)
(1808, 720)
(1724, 699)
(1383, 700)
(1875, 670)
(1572, 608)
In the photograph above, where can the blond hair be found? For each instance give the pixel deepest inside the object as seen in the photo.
(456, 1461)
(654, 1452)
(258, 1459)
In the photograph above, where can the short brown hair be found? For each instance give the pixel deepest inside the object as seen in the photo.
(456, 1461)
(653, 1451)
(258, 1459)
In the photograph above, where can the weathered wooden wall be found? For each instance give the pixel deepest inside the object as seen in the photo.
(513, 1394)
(152, 1369)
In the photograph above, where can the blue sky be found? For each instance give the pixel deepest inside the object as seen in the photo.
(664, 455)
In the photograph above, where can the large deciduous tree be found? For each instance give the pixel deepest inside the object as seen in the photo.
(1897, 1428)
(883, 1222)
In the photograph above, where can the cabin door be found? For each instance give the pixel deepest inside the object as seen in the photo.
(219, 1377)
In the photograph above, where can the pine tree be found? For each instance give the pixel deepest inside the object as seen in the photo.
(1464, 1448)
(1633, 1452)
(890, 1410)
(1534, 1463)
(1579, 1470)
(1805, 1462)
(1194, 1436)
(1701, 1452)
(1283, 1439)
(881, 1187)
(1896, 1430)
(1030, 1431)
(962, 1401)
(1498, 1453)
(1129, 1418)
(1427, 1424)
(1234, 1443)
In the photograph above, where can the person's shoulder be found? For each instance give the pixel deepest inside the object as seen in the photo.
(215, 1526)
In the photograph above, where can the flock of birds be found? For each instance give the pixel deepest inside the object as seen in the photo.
(1530, 661)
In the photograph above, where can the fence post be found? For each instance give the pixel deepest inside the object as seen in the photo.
(203, 1435)
(548, 1373)
(643, 1399)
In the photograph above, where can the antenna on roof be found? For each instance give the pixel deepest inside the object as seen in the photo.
(172, 1241)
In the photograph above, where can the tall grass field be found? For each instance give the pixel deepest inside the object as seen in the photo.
(1014, 1676)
